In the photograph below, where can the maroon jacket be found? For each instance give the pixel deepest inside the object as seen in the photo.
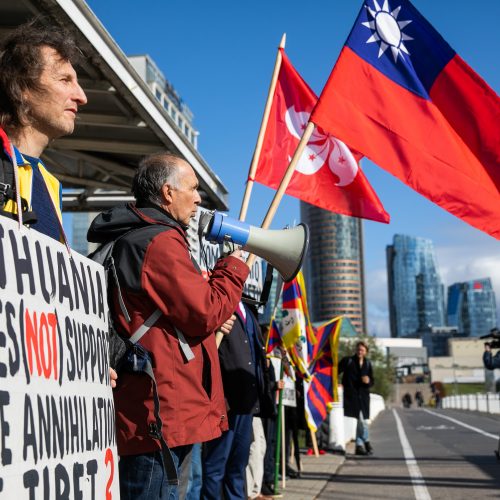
(155, 271)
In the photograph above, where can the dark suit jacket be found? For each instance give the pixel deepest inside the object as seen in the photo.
(246, 386)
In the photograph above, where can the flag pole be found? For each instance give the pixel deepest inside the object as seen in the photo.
(284, 182)
(283, 450)
(278, 434)
(263, 126)
(314, 442)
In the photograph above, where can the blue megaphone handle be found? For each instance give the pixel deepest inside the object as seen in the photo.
(224, 228)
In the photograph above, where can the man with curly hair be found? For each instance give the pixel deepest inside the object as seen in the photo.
(39, 99)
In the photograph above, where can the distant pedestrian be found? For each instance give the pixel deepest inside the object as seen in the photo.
(406, 400)
(419, 399)
(357, 379)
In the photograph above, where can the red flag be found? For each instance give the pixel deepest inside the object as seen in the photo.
(327, 175)
(400, 95)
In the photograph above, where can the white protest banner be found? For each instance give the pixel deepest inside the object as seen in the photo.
(289, 393)
(57, 419)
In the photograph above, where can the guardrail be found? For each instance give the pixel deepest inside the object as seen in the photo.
(488, 403)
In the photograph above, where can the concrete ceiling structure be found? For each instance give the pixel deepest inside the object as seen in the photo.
(122, 121)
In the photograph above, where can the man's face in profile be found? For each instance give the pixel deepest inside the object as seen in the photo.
(53, 109)
(184, 199)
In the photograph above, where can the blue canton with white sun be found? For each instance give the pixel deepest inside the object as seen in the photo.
(393, 37)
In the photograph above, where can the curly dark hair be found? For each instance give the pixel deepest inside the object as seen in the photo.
(21, 64)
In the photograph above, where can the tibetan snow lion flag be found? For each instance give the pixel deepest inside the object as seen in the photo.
(321, 390)
(296, 329)
(327, 174)
(400, 95)
(273, 338)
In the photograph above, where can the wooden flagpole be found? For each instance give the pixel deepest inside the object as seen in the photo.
(258, 148)
(263, 126)
(284, 182)
(314, 442)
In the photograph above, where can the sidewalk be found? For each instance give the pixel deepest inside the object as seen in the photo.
(316, 472)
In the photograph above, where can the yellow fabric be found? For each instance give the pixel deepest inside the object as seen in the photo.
(25, 179)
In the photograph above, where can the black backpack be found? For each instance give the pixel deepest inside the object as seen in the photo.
(127, 354)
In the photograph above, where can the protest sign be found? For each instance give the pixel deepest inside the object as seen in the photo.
(57, 419)
(208, 253)
(289, 393)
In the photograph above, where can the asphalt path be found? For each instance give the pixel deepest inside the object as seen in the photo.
(424, 454)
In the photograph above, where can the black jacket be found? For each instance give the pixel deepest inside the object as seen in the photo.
(246, 386)
(356, 393)
(491, 362)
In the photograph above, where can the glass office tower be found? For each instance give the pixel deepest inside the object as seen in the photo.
(472, 307)
(334, 266)
(416, 296)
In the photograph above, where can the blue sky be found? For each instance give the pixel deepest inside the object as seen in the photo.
(219, 56)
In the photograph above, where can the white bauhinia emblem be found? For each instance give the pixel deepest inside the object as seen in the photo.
(387, 31)
(321, 149)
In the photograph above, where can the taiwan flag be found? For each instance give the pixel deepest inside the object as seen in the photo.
(400, 95)
(328, 174)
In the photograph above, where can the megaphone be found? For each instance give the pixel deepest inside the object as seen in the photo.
(284, 249)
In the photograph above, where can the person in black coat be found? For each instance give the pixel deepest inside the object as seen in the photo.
(245, 377)
(490, 362)
(357, 379)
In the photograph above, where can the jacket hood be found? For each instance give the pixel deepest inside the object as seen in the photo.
(111, 224)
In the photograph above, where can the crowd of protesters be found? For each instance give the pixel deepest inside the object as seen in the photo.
(39, 99)
(203, 424)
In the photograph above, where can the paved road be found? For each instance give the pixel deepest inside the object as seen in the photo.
(424, 454)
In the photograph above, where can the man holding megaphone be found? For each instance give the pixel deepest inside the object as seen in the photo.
(155, 272)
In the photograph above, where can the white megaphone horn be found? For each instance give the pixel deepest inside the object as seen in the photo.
(284, 249)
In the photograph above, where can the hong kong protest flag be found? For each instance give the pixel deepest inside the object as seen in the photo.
(328, 174)
(401, 96)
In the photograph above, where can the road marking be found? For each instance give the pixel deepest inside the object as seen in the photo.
(441, 427)
(467, 426)
(419, 488)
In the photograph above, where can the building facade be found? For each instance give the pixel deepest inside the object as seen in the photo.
(416, 294)
(164, 91)
(472, 307)
(334, 267)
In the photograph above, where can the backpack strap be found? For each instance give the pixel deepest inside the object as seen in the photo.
(8, 192)
(144, 328)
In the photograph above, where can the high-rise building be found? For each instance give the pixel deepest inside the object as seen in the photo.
(416, 297)
(334, 266)
(167, 95)
(472, 307)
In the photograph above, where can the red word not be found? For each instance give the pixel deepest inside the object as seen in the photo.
(41, 343)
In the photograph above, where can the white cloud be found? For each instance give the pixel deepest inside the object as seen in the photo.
(455, 263)
(376, 299)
